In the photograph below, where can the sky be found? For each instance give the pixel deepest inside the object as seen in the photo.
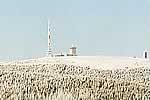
(96, 27)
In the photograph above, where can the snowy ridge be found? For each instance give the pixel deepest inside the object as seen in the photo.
(95, 62)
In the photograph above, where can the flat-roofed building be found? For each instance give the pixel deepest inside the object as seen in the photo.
(72, 51)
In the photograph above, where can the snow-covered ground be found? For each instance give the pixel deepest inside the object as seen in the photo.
(69, 78)
(95, 62)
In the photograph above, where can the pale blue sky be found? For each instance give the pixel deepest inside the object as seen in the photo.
(97, 27)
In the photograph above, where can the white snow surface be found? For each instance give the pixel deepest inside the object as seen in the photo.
(94, 62)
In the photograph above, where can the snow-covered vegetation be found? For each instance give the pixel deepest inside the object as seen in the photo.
(76, 78)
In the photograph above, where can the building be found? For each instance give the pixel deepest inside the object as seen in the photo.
(72, 51)
(59, 55)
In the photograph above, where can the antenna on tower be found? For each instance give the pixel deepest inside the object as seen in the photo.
(49, 40)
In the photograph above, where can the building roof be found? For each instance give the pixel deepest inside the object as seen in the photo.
(73, 47)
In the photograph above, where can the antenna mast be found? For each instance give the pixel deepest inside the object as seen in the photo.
(49, 40)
